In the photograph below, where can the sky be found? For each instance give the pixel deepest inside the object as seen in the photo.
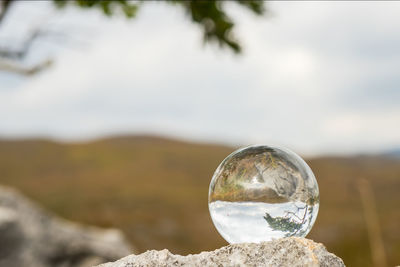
(316, 77)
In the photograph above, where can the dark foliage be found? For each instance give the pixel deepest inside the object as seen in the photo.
(217, 25)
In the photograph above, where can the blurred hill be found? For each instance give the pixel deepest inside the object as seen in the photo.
(392, 153)
(155, 190)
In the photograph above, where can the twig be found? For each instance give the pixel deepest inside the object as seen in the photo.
(372, 221)
(23, 70)
(5, 6)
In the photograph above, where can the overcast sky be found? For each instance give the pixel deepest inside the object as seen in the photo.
(317, 77)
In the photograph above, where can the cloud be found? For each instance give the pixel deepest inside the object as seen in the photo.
(310, 73)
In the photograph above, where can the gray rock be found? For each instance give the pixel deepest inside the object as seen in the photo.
(290, 251)
(30, 236)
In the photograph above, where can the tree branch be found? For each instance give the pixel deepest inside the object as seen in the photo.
(23, 51)
(23, 70)
(5, 5)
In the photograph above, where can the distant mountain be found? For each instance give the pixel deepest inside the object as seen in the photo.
(392, 153)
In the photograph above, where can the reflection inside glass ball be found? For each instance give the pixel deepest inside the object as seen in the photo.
(260, 193)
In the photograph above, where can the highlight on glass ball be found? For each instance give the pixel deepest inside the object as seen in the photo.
(261, 193)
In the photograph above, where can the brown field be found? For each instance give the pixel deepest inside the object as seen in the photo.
(156, 190)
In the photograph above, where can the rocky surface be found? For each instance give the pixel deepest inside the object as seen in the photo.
(290, 251)
(30, 236)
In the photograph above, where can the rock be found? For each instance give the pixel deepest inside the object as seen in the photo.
(30, 236)
(290, 251)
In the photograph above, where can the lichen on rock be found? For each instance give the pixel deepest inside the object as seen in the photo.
(290, 251)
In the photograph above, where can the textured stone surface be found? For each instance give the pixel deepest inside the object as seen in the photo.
(30, 236)
(291, 251)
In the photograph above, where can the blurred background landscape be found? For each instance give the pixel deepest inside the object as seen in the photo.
(121, 122)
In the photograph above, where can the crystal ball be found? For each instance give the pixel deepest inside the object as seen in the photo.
(261, 193)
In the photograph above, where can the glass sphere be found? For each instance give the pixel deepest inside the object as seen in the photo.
(260, 193)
